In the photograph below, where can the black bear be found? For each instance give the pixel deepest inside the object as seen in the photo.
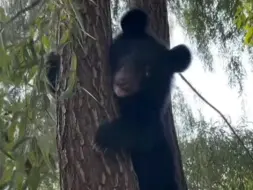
(142, 69)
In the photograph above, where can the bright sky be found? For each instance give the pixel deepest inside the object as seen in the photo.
(213, 86)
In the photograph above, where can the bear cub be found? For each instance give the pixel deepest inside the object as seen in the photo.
(142, 70)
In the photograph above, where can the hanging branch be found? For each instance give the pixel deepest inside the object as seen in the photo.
(219, 112)
(22, 11)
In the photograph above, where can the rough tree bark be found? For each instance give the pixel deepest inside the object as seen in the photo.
(157, 10)
(81, 168)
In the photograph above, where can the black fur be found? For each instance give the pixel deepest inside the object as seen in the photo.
(53, 70)
(142, 71)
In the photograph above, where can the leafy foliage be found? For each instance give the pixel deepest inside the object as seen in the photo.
(28, 31)
(213, 158)
(27, 147)
(210, 25)
(244, 20)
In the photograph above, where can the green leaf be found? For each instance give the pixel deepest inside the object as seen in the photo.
(44, 144)
(18, 180)
(65, 37)
(46, 42)
(34, 178)
(5, 59)
(20, 142)
(249, 36)
(46, 102)
(3, 17)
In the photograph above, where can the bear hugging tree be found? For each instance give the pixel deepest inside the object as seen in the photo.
(142, 71)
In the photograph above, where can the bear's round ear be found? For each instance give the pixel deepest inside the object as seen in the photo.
(134, 22)
(180, 58)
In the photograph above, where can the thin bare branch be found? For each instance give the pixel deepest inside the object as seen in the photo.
(22, 11)
(222, 116)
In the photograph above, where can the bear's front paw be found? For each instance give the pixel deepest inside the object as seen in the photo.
(116, 136)
(102, 137)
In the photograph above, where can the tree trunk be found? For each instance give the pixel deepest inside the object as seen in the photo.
(81, 167)
(157, 10)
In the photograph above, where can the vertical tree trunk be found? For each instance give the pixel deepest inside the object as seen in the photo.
(81, 168)
(157, 10)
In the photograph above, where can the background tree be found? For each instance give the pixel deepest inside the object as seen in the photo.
(213, 158)
(212, 23)
(27, 156)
